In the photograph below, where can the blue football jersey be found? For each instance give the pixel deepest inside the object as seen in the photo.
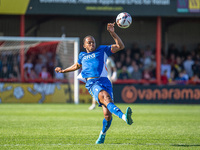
(94, 63)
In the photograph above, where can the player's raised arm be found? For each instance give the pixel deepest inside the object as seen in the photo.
(74, 67)
(119, 45)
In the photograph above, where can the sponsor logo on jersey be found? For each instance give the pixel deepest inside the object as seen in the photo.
(89, 56)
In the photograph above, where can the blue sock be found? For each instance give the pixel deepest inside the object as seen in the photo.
(114, 110)
(106, 125)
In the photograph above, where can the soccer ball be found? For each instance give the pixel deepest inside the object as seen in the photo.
(124, 20)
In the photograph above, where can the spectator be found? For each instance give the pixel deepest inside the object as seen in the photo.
(33, 55)
(131, 67)
(33, 74)
(4, 61)
(178, 67)
(153, 66)
(124, 73)
(147, 62)
(122, 59)
(38, 66)
(165, 66)
(26, 74)
(196, 67)
(188, 65)
(141, 67)
(183, 77)
(164, 78)
(9, 62)
(137, 58)
(153, 61)
(43, 57)
(118, 65)
(15, 72)
(49, 55)
(129, 53)
(136, 74)
(51, 66)
(128, 61)
(147, 74)
(172, 78)
(28, 65)
(172, 59)
(4, 74)
(15, 61)
(194, 79)
(44, 74)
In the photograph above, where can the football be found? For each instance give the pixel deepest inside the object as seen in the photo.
(124, 20)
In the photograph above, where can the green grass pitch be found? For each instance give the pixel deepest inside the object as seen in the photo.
(69, 126)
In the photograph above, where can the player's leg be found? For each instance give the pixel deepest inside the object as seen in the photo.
(105, 99)
(107, 119)
(106, 125)
(93, 104)
(102, 92)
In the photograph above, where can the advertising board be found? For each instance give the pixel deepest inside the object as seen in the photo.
(102, 7)
(124, 93)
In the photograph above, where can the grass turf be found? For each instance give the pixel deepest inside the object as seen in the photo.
(69, 126)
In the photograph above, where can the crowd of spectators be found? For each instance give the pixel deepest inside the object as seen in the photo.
(39, 66)
(177, 66)
(9, 66)
(36, 66)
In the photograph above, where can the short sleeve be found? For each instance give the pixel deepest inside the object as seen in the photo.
(80, 57)
(107, 49)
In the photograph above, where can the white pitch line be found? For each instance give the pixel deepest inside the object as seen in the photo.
(59, 144)
(78, 144)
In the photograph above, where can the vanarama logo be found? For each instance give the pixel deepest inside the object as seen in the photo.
(130, 94)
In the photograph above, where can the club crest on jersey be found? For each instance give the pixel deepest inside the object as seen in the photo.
(89, 56)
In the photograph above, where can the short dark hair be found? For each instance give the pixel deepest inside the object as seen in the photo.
(87, 37)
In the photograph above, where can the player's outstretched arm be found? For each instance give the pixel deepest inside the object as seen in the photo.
(119, 45)
(74, 67)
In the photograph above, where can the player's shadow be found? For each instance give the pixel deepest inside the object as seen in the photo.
(185, 145)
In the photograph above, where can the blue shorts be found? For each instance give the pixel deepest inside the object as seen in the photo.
(96, 85)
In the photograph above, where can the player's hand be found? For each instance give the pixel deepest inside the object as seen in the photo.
(110, 27)
(58, 69)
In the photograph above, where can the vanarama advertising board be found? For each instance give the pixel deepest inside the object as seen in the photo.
(156, 94)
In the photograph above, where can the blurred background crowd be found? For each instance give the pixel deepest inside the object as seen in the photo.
(36, 66)
(178, 66)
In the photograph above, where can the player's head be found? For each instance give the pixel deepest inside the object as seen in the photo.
(89, 43)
